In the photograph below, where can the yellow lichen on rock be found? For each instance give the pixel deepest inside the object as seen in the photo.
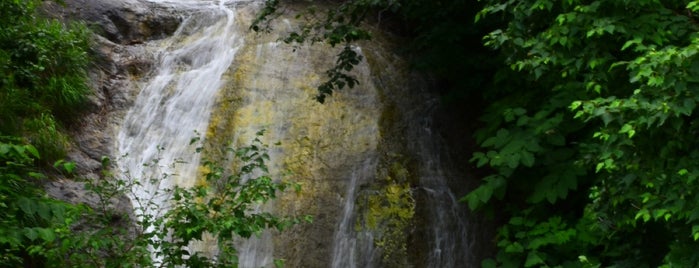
(388, 212)
(270, 86)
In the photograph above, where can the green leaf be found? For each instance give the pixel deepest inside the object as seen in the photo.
(26, 205)
(643, 213)
(31, 233)
(575, 105)
(693, 6)
(628, 129)
(515, 247)
(4, 149)
(489, 263)
(533, 259)
(482, 194)
(527, 159)
(481, 158)
(32, 150)
(46, 234)
(37, 175)
(43, 210)
(69, 166)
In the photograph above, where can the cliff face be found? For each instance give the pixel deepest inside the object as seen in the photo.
(374, 175)
(120, 60)
(270, 86)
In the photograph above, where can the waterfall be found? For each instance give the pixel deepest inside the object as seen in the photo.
(351, 248)
(174, 104)
(440, 228)
(214, 81)
(446, 230)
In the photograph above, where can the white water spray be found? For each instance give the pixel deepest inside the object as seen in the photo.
(174, 104)
(352, 248)
(446, 230)
(444, 234)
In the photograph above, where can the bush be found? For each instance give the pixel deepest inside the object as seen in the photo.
(42, 73)
(46, 136)
(29, 221)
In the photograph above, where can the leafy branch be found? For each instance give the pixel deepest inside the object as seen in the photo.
(334, 26)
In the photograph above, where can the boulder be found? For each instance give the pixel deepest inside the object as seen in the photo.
(120, 21)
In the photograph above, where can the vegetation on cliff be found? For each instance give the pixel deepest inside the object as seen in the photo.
(43, 88)
(43, 81)
(587, 133)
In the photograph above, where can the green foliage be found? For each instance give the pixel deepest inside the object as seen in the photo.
(28, 219)
(44, 133)
(42, 79)
(439, 37)
(346, 61)
(42, 85)
(39, 231)
(590, 133)
(42, 74)
(36, 230)
(224, 206)
(337, 25)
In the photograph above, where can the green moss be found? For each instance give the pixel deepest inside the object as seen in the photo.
(389, 209)
(388, 212)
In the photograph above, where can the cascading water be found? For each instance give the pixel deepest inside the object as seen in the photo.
(446, 230)
(352, 248)
(175, 104)
(440, 226)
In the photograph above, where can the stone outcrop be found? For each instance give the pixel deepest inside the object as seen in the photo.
(120, 21)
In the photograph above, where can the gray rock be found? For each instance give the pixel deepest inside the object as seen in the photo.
(77, 193)
(116, 207)
(121, 21)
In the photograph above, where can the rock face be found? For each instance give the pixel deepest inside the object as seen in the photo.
(364, 159)
(120, 21)
(372, 171)
(121, 27)
(120, 60)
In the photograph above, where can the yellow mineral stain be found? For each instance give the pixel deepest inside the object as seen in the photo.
(272, 87)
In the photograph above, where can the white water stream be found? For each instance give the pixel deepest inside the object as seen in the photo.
(174, 104)
(447, 235)
(352, 248)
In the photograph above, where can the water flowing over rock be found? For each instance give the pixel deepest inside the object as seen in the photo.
(375, 174)
(120, 61)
